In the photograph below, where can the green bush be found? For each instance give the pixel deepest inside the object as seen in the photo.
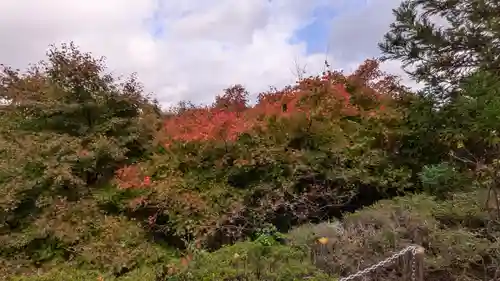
(253, 261)
(442, 179)
(66, 127)
(58, 273)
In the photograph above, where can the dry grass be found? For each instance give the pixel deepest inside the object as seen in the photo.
(458, 246)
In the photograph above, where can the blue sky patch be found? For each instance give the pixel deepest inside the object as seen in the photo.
(157, 28)
(316, 33)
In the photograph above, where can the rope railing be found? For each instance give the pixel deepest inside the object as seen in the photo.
(416, 274)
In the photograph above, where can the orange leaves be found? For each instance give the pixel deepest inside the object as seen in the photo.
(205, 124)
(235, 99)
(229, 116)
(222, 121)
(328, 97)
(146, 181)
(222, 124)
(280, 104)
(173, 269)
(131, 177)
(186, 260)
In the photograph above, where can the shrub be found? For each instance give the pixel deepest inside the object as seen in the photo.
(252, 261)
(442, 179)
(66, 127)
(307, 151)
(458, 247)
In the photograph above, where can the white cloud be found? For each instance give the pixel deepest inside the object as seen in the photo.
(202, 46)
(355, 34)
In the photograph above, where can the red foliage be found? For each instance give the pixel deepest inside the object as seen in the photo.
(186, 260)
(235, 99)
(130, 177)
(281, 104)
(146, 181)
(204, 124)
(328, 95)
(230, 116)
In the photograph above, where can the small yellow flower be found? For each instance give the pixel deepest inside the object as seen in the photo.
(323, 240)
(236, 256)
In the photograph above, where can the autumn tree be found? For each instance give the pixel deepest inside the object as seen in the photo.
(234, 99)
(67, 126)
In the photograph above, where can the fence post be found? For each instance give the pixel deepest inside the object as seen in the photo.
(419, 263)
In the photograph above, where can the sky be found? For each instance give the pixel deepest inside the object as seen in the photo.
(193, 49)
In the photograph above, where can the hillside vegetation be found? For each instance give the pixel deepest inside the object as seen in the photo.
(313, 182)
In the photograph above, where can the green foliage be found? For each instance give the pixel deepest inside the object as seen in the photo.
(441, 41)
(145, 273)
(253, 261)
(463, 133)
(440, 179)
(67, 126)
(268, 236)
(61, 274)
(79, 234)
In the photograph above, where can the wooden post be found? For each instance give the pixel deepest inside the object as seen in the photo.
(419, 264)
(405, 265)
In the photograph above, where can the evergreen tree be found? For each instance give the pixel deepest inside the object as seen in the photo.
(441, 42)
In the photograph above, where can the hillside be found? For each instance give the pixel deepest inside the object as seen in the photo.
(315, 181)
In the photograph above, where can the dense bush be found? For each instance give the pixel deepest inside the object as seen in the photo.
(313, 150)
(66, 127)
(458, 246)
(316, 180)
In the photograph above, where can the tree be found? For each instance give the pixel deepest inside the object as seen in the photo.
(235, 98)
(454, 47)
(444, 41)
(67, 125)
